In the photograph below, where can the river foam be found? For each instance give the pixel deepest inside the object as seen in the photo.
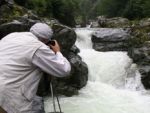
(113, 87)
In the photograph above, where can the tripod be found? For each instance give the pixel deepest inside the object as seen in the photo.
(54, 94)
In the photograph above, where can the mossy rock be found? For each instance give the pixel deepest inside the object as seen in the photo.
(140, 35)
(9, 13)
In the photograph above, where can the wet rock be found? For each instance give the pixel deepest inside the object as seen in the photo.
(69, 85)
(145, 72)
(79, 73)
(119, 46)
(108, 39)
(75, 49)
(66, 37)
(141, 56)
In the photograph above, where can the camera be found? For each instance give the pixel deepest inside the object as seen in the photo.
(51, 42)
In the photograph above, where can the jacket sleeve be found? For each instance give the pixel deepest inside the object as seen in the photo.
(51, 63)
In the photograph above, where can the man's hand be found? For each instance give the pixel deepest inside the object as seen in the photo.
(56, 47)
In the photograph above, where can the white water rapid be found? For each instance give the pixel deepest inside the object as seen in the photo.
(113, 87)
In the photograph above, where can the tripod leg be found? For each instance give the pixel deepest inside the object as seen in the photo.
(58, 103)
(52, 93)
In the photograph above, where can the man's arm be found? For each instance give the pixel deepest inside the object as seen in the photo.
(52, 61)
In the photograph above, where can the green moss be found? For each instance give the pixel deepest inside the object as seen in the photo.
(140, 35)
(11, 13)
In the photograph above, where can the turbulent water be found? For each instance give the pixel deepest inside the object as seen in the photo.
(113, 87)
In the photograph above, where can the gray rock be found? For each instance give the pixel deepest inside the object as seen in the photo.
(10, 2)
(119, 46)
(109, 39)
(102, 21)
(66, 37)
(141, 56)
(145, 22)
(94, 24)
(112, 22)
(145, 72)
(110, 35)
(79, 73)
(14, 26)
(75, 49)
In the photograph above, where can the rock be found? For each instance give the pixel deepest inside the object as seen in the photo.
(75, 49)
(9, 2)
(113, 22)
(44, 85)
(141, 56)
(11, 13)
(94, 24)
(79, 73)
(70, 85)
(145, 22)
(102, 21)
(110, 35)
(18, 19)
(119, 46)
(77, 79)
(108, 39)
(65, 36)
(118, 22)
(15, 26)
(145, 72)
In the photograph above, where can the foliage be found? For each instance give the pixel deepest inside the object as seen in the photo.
(131, 9)
(67, 11)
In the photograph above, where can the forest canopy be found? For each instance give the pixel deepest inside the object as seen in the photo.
(71, 11)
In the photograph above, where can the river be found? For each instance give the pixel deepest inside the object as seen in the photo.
(113, 86)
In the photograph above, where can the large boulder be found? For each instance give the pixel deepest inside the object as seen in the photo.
(141, 56)
(145, 78)
(145, 22)
(15, 26)
(16, 19)
(115, 22)
(66, 37)
(9, 2)
(109, 39)
(79, 74)
(102, 21)
(70, 85)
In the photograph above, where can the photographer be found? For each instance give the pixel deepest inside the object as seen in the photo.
(23, 58)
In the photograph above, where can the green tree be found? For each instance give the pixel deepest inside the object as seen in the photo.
(134, 9)
(146, 8)
(64, 11)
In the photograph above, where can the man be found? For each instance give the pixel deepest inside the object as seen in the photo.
(23, 58)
